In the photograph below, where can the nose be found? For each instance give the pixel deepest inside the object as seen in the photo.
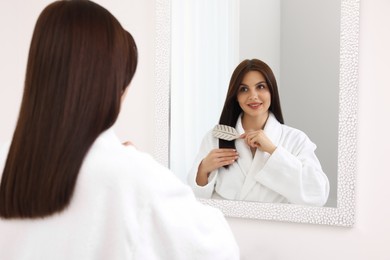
(253, 95)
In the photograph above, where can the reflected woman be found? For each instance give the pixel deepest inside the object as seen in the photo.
(270, 162)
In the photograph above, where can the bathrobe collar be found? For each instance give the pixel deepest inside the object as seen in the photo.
(251, 165)
(272, 128)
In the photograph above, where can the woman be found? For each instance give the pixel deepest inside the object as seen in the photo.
(270, 162)
(69, 189)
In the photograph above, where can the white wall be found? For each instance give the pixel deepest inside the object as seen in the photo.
(310, 64)
(259, 32)
(369, 238)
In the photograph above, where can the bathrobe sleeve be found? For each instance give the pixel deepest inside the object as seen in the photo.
(177, 226)
(294, 171)
(208, 143)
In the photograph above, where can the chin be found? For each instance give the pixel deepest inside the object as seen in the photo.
(256, 113)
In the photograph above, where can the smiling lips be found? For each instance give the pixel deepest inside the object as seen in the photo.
(254, 105)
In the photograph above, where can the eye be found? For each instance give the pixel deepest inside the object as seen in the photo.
(261, 86)
(243, 89)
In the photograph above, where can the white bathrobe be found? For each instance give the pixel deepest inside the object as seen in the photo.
(292, 174)
(125, 206)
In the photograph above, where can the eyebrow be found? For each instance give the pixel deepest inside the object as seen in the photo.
(260, 82)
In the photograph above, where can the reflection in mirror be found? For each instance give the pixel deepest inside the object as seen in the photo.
(267, 161)
(344, 213)
(301, 45)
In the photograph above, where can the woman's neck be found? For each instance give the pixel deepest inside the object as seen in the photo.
(254, 123)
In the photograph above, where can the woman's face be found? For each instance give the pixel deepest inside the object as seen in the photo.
(254, 96)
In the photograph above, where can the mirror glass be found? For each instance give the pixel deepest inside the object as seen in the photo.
(207, 67)
(299, 40)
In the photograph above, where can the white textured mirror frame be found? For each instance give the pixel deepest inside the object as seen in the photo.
(344, 213)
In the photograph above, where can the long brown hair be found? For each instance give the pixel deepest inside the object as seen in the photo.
(232, 110)
(80, 62)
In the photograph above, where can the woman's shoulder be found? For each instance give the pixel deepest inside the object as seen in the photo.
(295, 137)
(290, 130)
(127, 167)
(117, 158)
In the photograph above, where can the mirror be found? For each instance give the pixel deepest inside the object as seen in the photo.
(332, 62)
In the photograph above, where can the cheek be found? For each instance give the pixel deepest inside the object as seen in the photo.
(240, 101)
(240, 98)
(269, 98)
(240, 104)
(266, 96)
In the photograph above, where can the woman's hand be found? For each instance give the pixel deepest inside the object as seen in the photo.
(214, 160)
(258, 139)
